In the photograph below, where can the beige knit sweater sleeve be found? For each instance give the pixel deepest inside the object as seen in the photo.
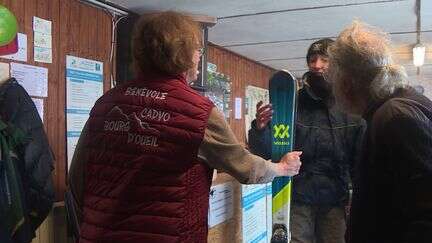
(221, 150)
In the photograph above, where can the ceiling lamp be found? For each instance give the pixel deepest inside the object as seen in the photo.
(419, 51)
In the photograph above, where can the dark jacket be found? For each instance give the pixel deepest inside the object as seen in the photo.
(392, 199)
(36, 158)
(330, 141)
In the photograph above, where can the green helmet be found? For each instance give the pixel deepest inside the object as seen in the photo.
(8, 26)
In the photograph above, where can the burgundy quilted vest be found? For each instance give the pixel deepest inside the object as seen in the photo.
(143, 182)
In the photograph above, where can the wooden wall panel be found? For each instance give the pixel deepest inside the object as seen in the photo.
(242, 72)
(79, 30)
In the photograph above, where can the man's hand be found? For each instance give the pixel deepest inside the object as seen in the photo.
(290, 164)
(263, 115)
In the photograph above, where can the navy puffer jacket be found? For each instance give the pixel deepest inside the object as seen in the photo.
(330, 141)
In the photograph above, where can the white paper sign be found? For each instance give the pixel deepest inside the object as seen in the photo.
(42, 40)
(39, 106)
(42, 54)
(72, 141)
(254, 207)
(238, 108)
(84, 80)
(41, 25)
(34, 79)
(221, 204)
(84, 85)
(75, 122)
(21, 55)
(4, 71)
(269, 203)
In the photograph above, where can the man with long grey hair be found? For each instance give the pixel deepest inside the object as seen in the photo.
(392, 199)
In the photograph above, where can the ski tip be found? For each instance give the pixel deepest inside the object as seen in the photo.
(281, 79)
(284, 73)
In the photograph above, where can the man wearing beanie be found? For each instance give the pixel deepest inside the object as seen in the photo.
(330, 141)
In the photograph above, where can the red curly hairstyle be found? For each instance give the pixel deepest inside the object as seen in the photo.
(165, 42)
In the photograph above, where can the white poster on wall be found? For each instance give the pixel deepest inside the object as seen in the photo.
(21, 55)
(42, 54)
(42, 40)
(34, 79)
(42, 25)
(84, 85)
(39, 103)
(254, 213)
(269, 212)
(238, 108)
(221, 204)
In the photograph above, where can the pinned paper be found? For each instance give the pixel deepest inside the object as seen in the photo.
(254, 210)
(39, 103)
(21, 55)
(4, 71)
(42, 40)
(42, 54)
(238, 108)
(34, 79)
(41, 25)
(84, 86)
(221, 204)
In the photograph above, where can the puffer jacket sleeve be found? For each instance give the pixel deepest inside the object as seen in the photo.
(38, 157)
(259, 141)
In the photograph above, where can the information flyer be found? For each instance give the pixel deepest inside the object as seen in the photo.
(34, 79)
(254, 213)
(21, 55)
(84, 85)
(269, 202)
(221, 205)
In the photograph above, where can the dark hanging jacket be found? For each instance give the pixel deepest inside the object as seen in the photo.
(330, 141)
(35, 158)
(392, 200)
